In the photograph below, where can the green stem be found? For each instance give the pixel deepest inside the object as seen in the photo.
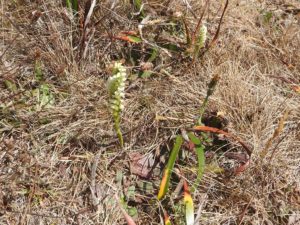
(202, 110)
(118, 130)
(211, 88)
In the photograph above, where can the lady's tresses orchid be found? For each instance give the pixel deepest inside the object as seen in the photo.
(116, 89)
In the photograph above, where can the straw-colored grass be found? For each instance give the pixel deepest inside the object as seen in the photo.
(60, 160)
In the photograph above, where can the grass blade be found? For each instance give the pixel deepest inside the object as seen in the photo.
(75, 5)
(164, 185)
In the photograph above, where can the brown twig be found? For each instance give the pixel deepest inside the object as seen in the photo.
(219, 26)
(244, 212)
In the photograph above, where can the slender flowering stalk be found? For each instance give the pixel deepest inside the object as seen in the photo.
(116, 89)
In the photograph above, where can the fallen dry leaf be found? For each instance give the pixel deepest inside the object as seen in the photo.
(141, 165)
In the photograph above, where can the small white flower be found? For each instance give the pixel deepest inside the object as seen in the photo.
(116, 87)
(202, 36)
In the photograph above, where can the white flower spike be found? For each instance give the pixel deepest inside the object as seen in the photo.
(116, 89)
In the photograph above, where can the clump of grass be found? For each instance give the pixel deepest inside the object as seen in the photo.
(116, 89)
(276, 133)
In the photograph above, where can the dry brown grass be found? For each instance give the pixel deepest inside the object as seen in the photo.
(58, 165)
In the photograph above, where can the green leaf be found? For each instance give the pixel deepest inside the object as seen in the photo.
(201, 164)
(194, 139)
(267, 17)
(154, 55)
(75, 5)
(146, 187)
(172, 47)
(72, 5)
(119, 177)
(189, 206)
(130, 193)
(10, 85)
(38, 71)
(45, 96)
(132, 211)
(146, 73)
(164, 185)
(68, 3)
(134, 39)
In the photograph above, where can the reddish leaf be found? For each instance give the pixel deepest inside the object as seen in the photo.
(129, 38)
(242, 167)
(218, 131)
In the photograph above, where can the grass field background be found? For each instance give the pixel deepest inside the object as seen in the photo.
(60, 157)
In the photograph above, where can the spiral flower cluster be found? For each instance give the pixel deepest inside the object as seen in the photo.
(202, 36)
(116, 88)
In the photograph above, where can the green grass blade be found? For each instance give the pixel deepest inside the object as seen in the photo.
(69, 4)
(75, 5)
(138, 5)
